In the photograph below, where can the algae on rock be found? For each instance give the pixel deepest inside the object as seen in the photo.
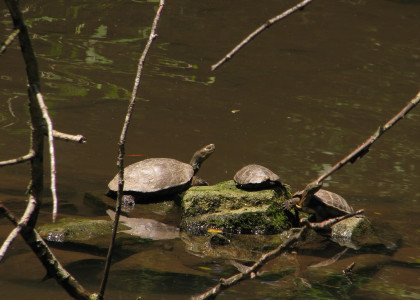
(226, 207)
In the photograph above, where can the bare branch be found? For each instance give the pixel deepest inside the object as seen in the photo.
(48, 121)
(260, 29)
(247, 272)
(18, 160)
(19, 225)
(121, 144)
(69, 137)
(47, 258)
(364, 148)
(9, 40)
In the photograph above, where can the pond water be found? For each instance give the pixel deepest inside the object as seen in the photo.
(297, 99)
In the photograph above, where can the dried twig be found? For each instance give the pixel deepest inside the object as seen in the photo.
(69, 137)
(121, 145)
(9, 40)
(53, 171)
(18, 160)
(225, 283)
(260, 29)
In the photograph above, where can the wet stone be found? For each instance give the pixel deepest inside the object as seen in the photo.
(354, 232)
(225, 207)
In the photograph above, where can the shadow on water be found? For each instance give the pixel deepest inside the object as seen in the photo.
(297, 99)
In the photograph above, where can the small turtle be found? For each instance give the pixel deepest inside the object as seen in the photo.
(160, 176)
(322, 203)
(256, 177)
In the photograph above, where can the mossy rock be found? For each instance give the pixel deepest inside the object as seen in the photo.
(76, 230)
(354, 232)
(224, 206)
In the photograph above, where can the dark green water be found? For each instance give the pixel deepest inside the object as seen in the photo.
(297, 99)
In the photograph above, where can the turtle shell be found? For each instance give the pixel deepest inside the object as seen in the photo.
(255, 176)
(155, 176)
(335, 204)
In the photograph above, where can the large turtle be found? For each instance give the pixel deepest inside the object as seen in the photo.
(160, 176)
(256, 177)
(322, 203)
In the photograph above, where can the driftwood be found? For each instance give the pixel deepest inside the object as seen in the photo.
(260, 29)
(249, 272)
(121, 147)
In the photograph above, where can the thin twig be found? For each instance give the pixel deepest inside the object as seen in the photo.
(9, 40)
(364, 148)
(18, 160)
(121, 145)
(225, 283)
(260, 29)
(53, 171)
(69, 137)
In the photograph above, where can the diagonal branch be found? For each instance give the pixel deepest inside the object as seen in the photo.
(260, 29)
(364, 148)
(121, 145)
(247, 272)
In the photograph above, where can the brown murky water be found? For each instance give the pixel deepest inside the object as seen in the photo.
(297, 99)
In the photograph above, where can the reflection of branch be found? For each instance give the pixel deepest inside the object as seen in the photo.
(364, 148)
(249, 271)
(267, 24)
(9, 40)
(47, 258)
(121, 144)
(18, 160)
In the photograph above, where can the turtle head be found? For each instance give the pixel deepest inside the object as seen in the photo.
(200, 156)
(308, 193)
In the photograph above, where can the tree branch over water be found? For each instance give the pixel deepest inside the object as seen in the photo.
(121, 146)
(363, 149)
(260, 29)
(39, 117)
(249, 272)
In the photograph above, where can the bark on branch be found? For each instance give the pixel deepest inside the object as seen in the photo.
(121, 148)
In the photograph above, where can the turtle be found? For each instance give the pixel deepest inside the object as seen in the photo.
(256, 177)
(322, 203)
(160, 176)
